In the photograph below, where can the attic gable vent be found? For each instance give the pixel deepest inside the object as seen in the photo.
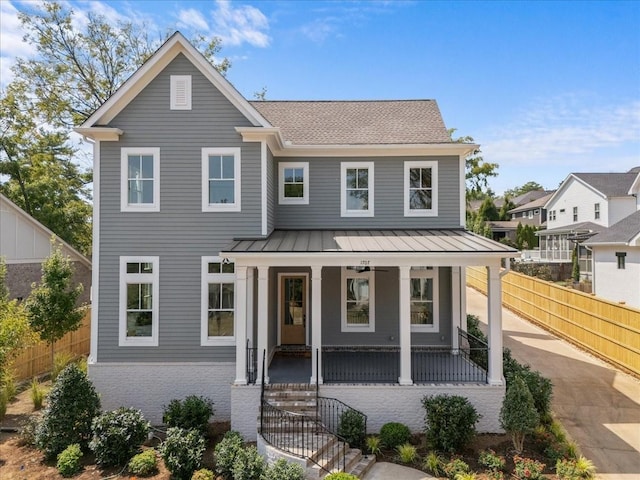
(180, 92)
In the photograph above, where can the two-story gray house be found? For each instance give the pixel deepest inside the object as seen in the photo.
(326, 237)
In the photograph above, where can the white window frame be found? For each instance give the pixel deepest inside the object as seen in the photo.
(596, 211)
(175, 82)
(207, 278)
(344, 166)
(530, 214)
(434, 275)
(425, 212)
(575, 214)
(304, 200)
(237, 180)
(125, 206)
(371, 277)
(125, 279)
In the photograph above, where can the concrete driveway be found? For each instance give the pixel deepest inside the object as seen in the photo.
(598, 405)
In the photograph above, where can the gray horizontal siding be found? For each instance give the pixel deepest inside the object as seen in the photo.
(323, 210)
(180, 234)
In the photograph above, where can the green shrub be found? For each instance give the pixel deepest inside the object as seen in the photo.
(351, 428)
(27, 432)
(118, 435)
(540, 387)
(449, 422)
(60, 362)
(144, 464)
(518, 415)
(4, 401)
(454, 467)
(202, 474)
(37, 394)
(283, 470)
(393, 434)
(8, 384)
(526, 468)
(407, 453)
(71, 406)
(373, 445)
(225, 453)
(249, 464)
(466, 476)
(340, 476)
(69, 460)
(577, 469)
(434, 463)
(492, 461)
(193, 412)
(182, 452)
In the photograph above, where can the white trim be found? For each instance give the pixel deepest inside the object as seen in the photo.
(237, 180)
(370, 276)
(153, 278)
(427, 212)
(183, 81)
(304, 200)
(206, 278)
(125, 206)
(344, 212)
(435, 276)
(462, 181)
(306, 303)
(263, 186)
(105, 134)
(95, 253)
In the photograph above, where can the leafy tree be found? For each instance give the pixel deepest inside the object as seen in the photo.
(52, 305)
(575, 264)
(488, 210)
(477, 172)
(518, 415)
(527, 187)
(504, 210)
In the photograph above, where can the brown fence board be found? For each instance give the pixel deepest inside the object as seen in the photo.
(606, 329)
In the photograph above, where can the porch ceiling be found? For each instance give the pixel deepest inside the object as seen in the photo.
(442, 241)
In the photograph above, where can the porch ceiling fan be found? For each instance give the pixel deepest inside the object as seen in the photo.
(361, 269)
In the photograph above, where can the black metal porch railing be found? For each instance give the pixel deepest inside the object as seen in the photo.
(360, 364)
(252, 363)
(332, 412)
(474, 348)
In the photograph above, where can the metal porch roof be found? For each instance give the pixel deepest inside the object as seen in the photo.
(370, 241)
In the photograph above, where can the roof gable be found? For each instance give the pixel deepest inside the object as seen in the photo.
(626, 232)
(175, 45)
(607, 185)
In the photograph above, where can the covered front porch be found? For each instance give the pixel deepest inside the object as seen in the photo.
(368, 307)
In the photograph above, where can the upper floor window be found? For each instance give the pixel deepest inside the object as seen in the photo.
(218, 301)
(358, 300)
(424, 299)
(552, 215)
(356, 192)
(421, 188)
(180, 92)
(293, 183)
(596, 211)
(221, 179)
(621, 256)
(530, 213)
(139, 301)
(140, 179)
(575, 214)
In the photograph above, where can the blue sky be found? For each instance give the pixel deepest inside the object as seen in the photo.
(547, 87)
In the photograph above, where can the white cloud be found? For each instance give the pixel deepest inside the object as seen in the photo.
(192, 19)
(320, 29)
(236, 25)
(11, 43)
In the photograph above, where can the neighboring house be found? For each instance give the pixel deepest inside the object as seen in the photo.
(334, 229)
(532, 212)
(583, 205)
(25, 243)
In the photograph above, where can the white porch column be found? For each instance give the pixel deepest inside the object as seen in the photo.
(405, 326)
(494, 310)
(241, 325)
(250, 332)
(456, 308)
(263, 322)
(316, 323)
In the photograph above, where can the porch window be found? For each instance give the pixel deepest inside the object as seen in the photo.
(358, 305)
(356, 192)
(138, 301)
(421, 188)
(218, 301)
(293, 185)
(140, 180)
(424, 299)
(220, 179)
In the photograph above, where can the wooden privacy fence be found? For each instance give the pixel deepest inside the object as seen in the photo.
(606, 329)
(36, 360)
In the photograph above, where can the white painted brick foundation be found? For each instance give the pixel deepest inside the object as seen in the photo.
(245, 408)
(151, 386)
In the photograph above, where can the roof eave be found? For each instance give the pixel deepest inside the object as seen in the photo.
(291, 150)
(107, 134)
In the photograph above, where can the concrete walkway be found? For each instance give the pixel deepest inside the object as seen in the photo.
(598, 405)
(391, 471)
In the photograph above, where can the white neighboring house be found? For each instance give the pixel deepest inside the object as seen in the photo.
(25, 243)
(584, 205)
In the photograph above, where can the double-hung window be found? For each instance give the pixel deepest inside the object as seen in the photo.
(140, 179)
(218, 301)
(358, 300)
(293, 184)
(420, 188)
(356, 191)
(596, 211)
(575, 214)
(424, 299)
(139, 301)
(221, 179)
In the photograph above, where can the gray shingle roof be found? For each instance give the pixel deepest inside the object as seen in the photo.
(589, 227)
(610, 184)
(356, 122)
(537, 203)
(622, 232)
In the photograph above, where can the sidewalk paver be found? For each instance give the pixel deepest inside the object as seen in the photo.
(391, 471)
(598, 405)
